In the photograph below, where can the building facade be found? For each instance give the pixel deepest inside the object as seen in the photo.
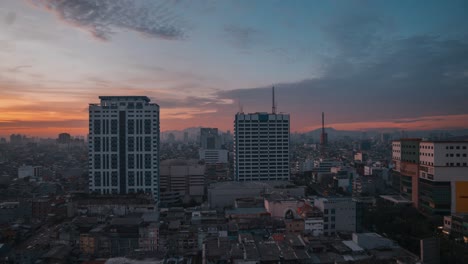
(443, 177)
(214, 156)
(209, 138)
(184, 177)
(405, 155)
(29, 171)
(124, 145)
(261, 147)
(434, 174)
(339, 214)
(211, 151)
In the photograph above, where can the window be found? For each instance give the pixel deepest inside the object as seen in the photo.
(97, 144)
(131, 161)
(147, 126)
(97, 161)
(147, 161)
(131, 126)
(113, 143)
(114, 178)
(148, 178)
(131, 178)
(114, 126)
(97, 178)
(147, 143)
(131, 144)
(97, 127)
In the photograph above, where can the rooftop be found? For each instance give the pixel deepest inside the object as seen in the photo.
(254, 210)
(397, 199)
(179, 162)
(125, 98)
(126, 221)
(247, 185)
(353, 246)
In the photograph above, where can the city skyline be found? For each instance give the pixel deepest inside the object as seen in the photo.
(368, 65)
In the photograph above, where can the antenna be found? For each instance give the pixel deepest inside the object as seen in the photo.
(273, 105)
(323, 122)
(241, 107)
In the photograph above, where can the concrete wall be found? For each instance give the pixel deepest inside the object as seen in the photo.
(278, 209)
(345, 213)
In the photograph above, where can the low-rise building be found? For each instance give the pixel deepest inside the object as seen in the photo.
(223, 194)
(339, 214)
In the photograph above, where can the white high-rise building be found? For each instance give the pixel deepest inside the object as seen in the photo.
(124, 145)
(261, 147)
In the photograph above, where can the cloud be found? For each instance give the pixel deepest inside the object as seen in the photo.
(367, 90)
(18, 68)
(73, 123)
(241, 37)
(102, 17)
(10, 18)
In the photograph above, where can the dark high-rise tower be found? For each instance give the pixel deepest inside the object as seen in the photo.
(209, 138)
(323, 135)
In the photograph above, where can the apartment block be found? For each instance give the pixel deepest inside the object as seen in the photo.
(261, 148)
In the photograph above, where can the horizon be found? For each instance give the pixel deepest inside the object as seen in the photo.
(368, 65)
(316, 130)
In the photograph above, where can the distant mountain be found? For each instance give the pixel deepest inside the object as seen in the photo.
(454, 134)
(333, 134)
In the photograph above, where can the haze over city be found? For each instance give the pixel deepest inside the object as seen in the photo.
(367, 64)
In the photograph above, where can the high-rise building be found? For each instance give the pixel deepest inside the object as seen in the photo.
(261, 146)
(64, 138)
(210, 147)
(209, 138)
(124, 145)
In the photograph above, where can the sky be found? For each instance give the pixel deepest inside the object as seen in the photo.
(366, 64)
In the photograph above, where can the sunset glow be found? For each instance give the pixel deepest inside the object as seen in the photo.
(372, 69)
